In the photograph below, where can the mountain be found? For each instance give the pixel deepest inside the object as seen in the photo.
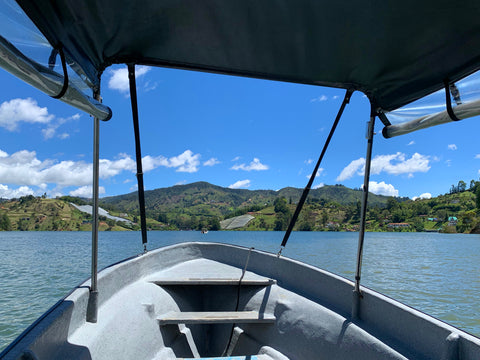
(202, 198)
(202, 206)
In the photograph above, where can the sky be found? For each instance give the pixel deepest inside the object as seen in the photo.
(229, 131)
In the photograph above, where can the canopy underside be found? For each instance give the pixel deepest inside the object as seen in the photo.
(395, 52)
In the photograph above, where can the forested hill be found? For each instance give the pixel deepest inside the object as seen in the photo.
(205, 198)
(201, 205)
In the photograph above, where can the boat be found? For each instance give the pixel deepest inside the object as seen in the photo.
(208, 300)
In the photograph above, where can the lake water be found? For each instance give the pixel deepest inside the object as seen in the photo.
(435, 273)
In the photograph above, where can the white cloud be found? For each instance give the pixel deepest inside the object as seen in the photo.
(119, 78)
(25, 169)
(319, 172)
(452, 147)
(211, 162)
(411, 143)
(423, 196)
(7, 193)
(134, 187)
(394, 164)
(319, 186)
(354, 167)
(308, 162)
(48, 133)
(397, 164)
(236, 158)
(382, 188)
(185, 162)
(51, 130)
(86, 191)
(27, 110)
(64, 136)
(254, 165)
(320, 98)
(240, 184)
(477, 156)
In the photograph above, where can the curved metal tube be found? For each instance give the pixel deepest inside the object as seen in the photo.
(48, 81)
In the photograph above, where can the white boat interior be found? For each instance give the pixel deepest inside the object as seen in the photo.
(205, 300)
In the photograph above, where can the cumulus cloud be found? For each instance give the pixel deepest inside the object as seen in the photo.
(27, 110)
(394, 164)
(240, 184)
(25, 169)
(119, 78)
(319, 186)
(423, 196)
(382, 188)
(185, 162)
(452, 147)
(86, 191)
(7, 193)
(356, 166)
(254, 165)
(211, 162)
(477, 156)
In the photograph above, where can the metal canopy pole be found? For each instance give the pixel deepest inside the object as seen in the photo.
(299, 207)
(92, 308)
(361, 236)
(141, 192)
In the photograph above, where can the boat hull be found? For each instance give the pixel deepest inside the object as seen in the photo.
(185, 301)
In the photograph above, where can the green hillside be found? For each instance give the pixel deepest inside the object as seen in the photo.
(203, 206)
(31, 213)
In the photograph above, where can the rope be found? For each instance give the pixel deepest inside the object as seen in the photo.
(238, 299)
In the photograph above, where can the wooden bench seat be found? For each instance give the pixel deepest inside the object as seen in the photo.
(215, 317)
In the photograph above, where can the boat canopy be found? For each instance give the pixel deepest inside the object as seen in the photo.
(394, 51)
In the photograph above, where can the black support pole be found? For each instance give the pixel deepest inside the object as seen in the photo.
(299, 207)
(92, 308)
(138, 152)
(361, 236)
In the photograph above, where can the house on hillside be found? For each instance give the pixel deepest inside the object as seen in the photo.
(452, 220)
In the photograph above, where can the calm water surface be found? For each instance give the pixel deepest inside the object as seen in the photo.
(435, 273)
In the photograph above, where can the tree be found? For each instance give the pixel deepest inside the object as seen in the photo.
(477, 198)
(462, 186)
(280, 205)
(392, 203)
(281, 222)
(472, 185)
(5, 223)
(418, 225)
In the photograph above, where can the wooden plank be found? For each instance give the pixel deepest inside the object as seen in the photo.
(252, 357)
(214, 281)
(215, 317)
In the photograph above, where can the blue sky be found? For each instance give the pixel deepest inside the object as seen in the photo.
(230, 131)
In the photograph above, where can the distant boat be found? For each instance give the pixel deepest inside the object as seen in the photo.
(198, 300)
